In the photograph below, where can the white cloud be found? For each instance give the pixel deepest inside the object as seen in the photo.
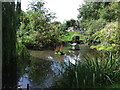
(24, 4)
(64, 9)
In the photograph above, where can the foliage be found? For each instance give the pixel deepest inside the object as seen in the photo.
(21, 50)
(93, 16)
(91, 73)
(70, 23)
(10, 14)
(23, 57)
(109, 37)
(110, 11)
(96, 10)
(94, 26)
(89, 10)
(69, 35)
(37, 29)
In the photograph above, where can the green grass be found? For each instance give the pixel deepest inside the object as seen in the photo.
(97, 72)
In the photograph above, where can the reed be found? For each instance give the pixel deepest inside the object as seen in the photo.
(91, 73)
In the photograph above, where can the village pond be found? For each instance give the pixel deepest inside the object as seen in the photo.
(45, 67)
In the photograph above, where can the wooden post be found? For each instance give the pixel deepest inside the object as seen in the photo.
(27, 86)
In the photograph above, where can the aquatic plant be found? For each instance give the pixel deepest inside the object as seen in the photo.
(91, 73)
(59, 50)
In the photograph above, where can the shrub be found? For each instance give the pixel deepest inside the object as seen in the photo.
(109, 37)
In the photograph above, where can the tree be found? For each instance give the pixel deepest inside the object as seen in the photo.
(70, 23)
(93, 16)
(10, 13)
(109, 37)
(96, 10)
(37, 29)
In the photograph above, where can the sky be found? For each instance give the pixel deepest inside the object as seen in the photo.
(64, 9)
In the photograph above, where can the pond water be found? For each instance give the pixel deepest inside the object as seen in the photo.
(45, 65)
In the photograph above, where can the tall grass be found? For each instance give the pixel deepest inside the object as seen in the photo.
(91, 73)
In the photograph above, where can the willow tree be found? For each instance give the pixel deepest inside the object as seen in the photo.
(10, 14)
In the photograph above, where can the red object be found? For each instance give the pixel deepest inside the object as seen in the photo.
(59, 47)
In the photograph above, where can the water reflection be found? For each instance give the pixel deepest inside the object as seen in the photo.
(35, 73)
(72, 57)
(23, 81)
(45, 65)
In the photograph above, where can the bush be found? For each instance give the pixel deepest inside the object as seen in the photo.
(109, 37)
(94, 26)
